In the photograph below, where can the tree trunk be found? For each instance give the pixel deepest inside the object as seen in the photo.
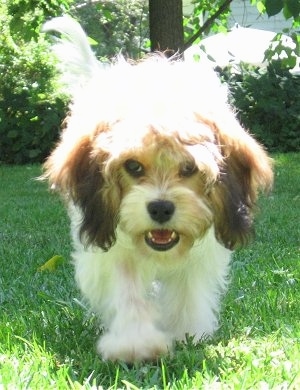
(166, 25)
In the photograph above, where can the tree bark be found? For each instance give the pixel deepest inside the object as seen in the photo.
(166, 26)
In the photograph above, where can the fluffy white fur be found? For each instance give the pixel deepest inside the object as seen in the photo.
(146, 302)
(160, 181)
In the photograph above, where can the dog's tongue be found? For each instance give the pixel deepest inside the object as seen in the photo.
(161, 236)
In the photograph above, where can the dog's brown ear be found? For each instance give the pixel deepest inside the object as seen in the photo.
(78, 174)
(246, 170)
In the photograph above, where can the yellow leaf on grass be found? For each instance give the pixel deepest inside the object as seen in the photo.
(52, 264)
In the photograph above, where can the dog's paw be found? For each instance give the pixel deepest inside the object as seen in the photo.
(134, 345)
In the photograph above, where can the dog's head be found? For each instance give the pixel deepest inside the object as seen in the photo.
(153, 149)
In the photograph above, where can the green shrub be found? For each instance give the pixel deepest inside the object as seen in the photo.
(31, 109)
(268, 104)
(116, 26)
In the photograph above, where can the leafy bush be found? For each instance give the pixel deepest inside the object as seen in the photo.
(30, 108)
(116, 26)
(30, 111)
(268, 104)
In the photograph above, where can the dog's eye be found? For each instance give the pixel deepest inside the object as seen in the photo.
(187, 169)
(134, 168)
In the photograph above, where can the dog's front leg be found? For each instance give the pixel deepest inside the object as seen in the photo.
(132, 333)
(118, 290)
(190, 296)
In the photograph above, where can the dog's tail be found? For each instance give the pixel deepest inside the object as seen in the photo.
(77, 62)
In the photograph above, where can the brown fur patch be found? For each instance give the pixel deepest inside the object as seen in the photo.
(79, 178)
(246, 170)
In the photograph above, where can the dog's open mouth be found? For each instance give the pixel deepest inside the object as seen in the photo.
(161, 239)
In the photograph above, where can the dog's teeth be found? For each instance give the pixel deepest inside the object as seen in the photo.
(161, 239)
(149, 234)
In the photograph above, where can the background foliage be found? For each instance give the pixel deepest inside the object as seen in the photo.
(115, 26)
(267, 101)
(31, 107)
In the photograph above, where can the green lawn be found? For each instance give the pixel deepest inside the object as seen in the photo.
(47, 339)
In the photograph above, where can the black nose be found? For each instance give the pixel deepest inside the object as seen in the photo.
(161, 210)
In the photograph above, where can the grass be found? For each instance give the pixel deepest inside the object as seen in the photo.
(47, 339)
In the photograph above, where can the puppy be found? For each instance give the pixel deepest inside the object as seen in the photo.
(160, 181)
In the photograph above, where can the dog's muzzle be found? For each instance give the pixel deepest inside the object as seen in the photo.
(161, 211)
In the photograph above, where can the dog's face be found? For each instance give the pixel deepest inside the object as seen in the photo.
(163, 183)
